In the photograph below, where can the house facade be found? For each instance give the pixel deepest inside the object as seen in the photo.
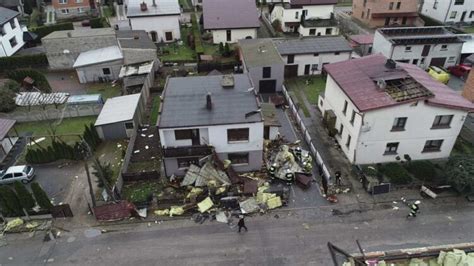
(384, 13)
(71, 8)
(159, 18)
(307, 56)
(11, 34)
(421, 46)
(219, 18)
(306, 17)
(376, 124)
(261, 60)
(212, 112)
(449, 12)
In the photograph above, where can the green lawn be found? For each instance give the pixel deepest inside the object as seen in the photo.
(468, 29)
(179, 52)
(139, 191)
(105, 89)
(67, 126)
(213, 49)
(154, 110)
(312, 86)
(111, 152)
(462, 147)
(299, 101)
(108, 12)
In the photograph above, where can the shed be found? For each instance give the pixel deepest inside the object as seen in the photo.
(120, 117)
(99, 65)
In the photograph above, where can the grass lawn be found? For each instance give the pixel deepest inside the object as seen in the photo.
(105, 89)
(111, 152)
(311, 86)
(108, 12)
(141, 190)
(179, 52)
(468, 29)
(299, 101)
(154, 110)
(213, 49)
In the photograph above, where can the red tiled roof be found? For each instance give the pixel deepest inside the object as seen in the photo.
(230, 14)
(357, 79)
(362, 38)
(5, 126)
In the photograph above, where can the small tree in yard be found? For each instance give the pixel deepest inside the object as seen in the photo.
(277, 25)
(226, 50)
(11, 202)
(41, 197)
(106, 170)
(221, 48)
(7, 100)
(24, 196)
(460, 173)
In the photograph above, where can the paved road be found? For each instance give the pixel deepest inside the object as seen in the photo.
(295, 238)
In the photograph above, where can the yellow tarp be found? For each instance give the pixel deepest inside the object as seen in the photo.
(164, 212)
(195, 191)
(274, 202)
(176, 210)
(13, 223)
(205, 205)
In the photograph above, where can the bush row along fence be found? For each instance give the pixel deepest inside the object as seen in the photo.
(309, 141)
(23, 61)
(49, 114)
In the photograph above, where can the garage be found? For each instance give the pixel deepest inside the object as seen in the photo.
(267, 86)
(291, 71)
(438, 61)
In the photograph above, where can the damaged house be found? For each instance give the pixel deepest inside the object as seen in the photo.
(202, 115)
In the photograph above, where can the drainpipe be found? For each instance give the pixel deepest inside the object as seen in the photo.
(449, 9)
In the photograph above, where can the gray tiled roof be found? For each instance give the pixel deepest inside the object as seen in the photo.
(312, 45)
(6, 15)
(184, 102)
(259, 52)
(230, 14)
(127, 39)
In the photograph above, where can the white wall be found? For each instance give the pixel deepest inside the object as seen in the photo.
(289, 15)
(5, 48)
(310, 59)
(381, 45)
(236, 34)
(445, 8)
(320, 31)
(160, 24)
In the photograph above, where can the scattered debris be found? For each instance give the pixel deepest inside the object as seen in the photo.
(176, 210)
(142, 212)
(164, 212)
(205, 205)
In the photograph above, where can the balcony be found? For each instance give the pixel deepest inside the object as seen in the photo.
(187, 151)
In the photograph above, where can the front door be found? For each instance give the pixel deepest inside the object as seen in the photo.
(196, 139)
(169, 36)
(463, 16)
(306, 69)
(438, 61)
(291, 71)
(154, 36)
(267, 86)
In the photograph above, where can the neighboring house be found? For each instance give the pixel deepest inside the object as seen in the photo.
(120, 117)
(218, 111)
(307, 56)
(261, 60)
(385, 110)
(159, 18)
(99, 65)
(306, 17)
(230, 20)
(136, 46)
(71, 8)
(421, 46)
(449, 12)
(467, 46)
(7, 139)
(11, 34)
(63, 47)
(382, 13)
(15, 5)
(362, 44)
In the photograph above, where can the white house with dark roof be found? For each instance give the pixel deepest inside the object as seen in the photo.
(221, 112)
(11, 34)
(230, 20)
(307, 56)
(306, 17)
(383, 110)
(159, 18)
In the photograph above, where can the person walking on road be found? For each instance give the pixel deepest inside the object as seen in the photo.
(241, 223)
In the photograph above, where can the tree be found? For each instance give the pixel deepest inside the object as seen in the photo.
(226, 50)
(277, 25)
(24, 196)
(221, 48)
(41, 197)
(7, 100)
(106, 170)
(12, 85)
(460, 173)
(11, 201)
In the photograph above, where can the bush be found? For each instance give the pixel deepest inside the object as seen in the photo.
(45, 30)
(7, 100)
(396, 173)
(98, 23)
(40, 80)
(422, 170)
(107, 172)
(460, 173)
(12, 85)
(24, 196)
(41, 197)
(10, 204)
(276, 24)
(23, 61)
(226, 50)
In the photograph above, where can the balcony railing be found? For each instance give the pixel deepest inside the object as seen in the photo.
(187, 151)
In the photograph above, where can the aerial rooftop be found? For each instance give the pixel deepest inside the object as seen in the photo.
(312, 45)
(415, 35)
(118, 109)
(6, 15)
(185, 101)
(312, 2)
(371, 83)
(259, 52)
(101, 55)
(134, 39)
(230, 14)
(61, 34)
(161, 8)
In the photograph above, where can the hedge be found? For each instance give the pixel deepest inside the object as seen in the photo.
(23, 61)
(40, 80)
(396, 173)
(422, 170)
(41, 197)
(45, 30)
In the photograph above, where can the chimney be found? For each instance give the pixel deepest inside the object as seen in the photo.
(468, 91)
(154, 3)
(390, 64)
(143, 6)
(208, 101)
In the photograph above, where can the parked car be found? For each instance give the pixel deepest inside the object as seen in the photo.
(460, 71)
(22, 173)
(438, 73)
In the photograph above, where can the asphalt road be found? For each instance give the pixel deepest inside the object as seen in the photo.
(298, 237)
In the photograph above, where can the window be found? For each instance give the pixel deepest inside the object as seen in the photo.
(13, 42)
(442, 121)
(290, 59)
(344, 110)
(471, 14)
(237, 134)
(444, 47)
(341, 129)
(415, 62)
(312, 32)
(183, 134)
(451, 58)
(65, 11)
(2, 32)
(106, 71)
(12, 24)
(404, 20)
(453, 14)
(348, 142)
(399, 124)
(398, 5)
(363, 14)
(435, 4)
(304, 13)
(314, 67)
(390, 6)
(407, 48)
(316, 54)
(79, 1)
(229, 35)
(17, 174)
(129, 125)
(328, 31)
(391, 148)
(80, 10)
(186, 162)
(337, 53)
(365, 2)
(267, 72)
(458, 2)
(297, 14)
(353, 116)
(7, 176)
(238, 158)
(63, 1)
(433, 145)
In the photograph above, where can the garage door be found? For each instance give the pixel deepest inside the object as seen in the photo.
(438, 61)
(291, 71)
(267, 86)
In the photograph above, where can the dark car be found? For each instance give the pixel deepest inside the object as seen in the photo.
(460, 71)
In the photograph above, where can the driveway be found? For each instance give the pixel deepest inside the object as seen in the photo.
(456, 84)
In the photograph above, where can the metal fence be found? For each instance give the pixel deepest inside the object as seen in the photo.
(53, 113)
(306, 135)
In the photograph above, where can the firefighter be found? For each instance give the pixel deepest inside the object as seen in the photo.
(414, 209)
(298, 153)
(290, 177)
(272, 171)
